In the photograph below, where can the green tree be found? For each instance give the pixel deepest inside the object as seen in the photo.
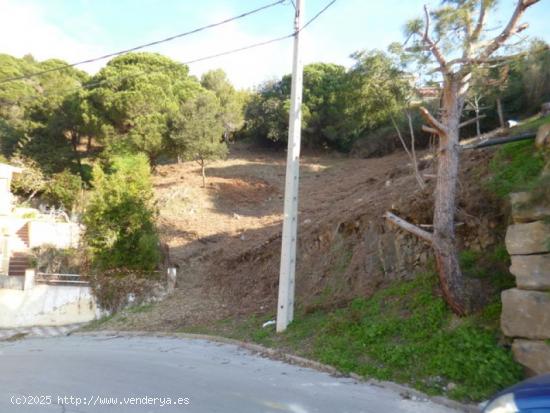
(266, 114)
(137, 96)
(120, 216)
(231, 101)
(378, 89)
(324, 90)
(28, 111)
(64, 189)
(198, 129)
(339, 106)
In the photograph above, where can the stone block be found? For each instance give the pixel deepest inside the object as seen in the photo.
(535, 355)
(524, 211)
(542, 141)
(531, 238)
(532, 271)
(525, 314)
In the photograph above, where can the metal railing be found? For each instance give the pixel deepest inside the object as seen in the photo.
(56, 278)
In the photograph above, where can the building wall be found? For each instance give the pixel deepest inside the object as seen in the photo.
(58, 234)
(12, 282)
(47, 305)
(5, 196)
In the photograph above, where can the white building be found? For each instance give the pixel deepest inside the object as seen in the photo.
(24, 302)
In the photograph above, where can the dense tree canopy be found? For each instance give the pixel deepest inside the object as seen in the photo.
(61, 121)
(339, 105)
(137, 96)
(29, 108)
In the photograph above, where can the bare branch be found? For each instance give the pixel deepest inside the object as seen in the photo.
(432, 121)
(480, 22)
(426, 23)
(432, 46)
(510, 29)
(470, 121)
(407, 226)
(427, 129)
(401, 137)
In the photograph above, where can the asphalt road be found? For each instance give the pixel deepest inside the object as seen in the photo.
(148, 374)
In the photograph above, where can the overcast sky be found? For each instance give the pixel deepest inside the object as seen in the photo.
(78, 29)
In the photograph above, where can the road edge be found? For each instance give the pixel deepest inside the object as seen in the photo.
(405, 391)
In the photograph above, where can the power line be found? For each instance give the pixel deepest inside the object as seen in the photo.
(142, 46)
(324, 9)
(254, 45)
(212, 56)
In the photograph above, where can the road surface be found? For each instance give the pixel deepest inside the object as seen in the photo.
(151, 374)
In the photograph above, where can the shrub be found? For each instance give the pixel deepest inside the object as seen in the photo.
(31, 181)
(63, 189)
(52, 260)
(119, 218)
(113, 288)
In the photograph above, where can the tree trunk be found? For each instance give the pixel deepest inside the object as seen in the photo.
(444, 241)
(152, 161)
(203, 172)
(75, 139)
(500, 113)
(89, 144)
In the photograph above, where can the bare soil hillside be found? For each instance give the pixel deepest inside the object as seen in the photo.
(225, 237)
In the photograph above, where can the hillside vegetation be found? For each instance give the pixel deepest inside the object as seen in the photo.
(169, 170)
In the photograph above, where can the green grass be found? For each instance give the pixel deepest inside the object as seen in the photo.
(403, 333)
(491, 265)
(517, 166)
(531, 124)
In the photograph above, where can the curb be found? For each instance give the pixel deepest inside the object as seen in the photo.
(404, 391)
(14, 334)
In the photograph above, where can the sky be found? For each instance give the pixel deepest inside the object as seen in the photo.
(75, 30)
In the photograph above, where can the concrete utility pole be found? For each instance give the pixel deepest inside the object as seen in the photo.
(285, 306)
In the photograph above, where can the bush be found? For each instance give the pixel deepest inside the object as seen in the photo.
(31, 181)
(52, 260)
(120, 230)
(115, 289)
(63, 189)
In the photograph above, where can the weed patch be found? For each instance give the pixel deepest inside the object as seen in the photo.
(516, 166)
(403, 333)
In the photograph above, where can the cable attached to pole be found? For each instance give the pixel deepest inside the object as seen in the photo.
(142, 46)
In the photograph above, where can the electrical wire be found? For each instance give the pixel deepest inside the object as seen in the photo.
(278, 39)
(212, 56)
(142, 46)
(324, 9)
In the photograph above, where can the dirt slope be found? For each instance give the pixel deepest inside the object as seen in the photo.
(226, 237)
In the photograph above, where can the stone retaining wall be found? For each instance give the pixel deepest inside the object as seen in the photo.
(526, 308)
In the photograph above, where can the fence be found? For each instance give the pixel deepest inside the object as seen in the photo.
(65, 279)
